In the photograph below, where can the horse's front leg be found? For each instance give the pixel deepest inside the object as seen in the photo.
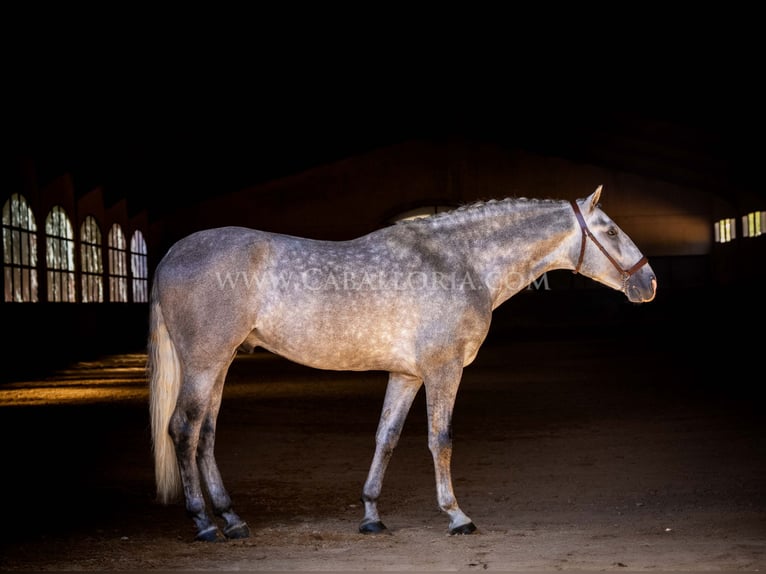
(400, 394)
(441, 390)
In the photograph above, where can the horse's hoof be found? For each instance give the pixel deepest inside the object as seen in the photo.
(237, 531)
(209, 535)
(372, 527)
(468, 528)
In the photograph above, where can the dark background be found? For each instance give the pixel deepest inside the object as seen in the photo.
(169, 106)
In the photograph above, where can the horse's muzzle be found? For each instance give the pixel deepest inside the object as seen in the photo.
(641, 287)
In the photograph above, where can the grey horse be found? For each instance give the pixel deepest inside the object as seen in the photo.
(414, 299)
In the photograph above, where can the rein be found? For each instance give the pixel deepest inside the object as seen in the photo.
(626, 273)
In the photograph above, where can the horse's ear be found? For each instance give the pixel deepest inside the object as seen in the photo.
(592, 201)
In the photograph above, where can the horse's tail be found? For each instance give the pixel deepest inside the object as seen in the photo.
(164, 372)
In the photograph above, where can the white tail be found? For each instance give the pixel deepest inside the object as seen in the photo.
(164, 371)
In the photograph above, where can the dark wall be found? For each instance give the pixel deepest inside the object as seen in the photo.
(40, 337)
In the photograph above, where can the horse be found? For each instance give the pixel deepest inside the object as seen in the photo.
(413, 299)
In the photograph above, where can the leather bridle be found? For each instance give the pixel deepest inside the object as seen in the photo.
(626, 273)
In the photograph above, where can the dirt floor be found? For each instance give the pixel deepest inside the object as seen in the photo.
(596, 451)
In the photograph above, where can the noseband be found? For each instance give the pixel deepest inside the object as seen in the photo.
(626, 273)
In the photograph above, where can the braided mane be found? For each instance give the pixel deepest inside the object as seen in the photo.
(477, 209)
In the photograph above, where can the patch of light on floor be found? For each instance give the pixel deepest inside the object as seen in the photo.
(113, 378)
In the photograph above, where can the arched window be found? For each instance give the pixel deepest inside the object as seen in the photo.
(118, 267)
(138, 267)
(59, 256)
(19, 251)
(92, 262)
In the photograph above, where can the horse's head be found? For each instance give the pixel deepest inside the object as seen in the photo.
(608, 255)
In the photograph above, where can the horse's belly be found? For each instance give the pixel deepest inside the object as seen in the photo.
(331, 355)
(370, 330)
(361, 344)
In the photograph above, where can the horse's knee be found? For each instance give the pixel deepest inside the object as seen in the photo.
(440, 441)
(386, 443)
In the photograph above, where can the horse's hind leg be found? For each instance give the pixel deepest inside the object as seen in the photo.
(185, 427)
(235, 527)
(400, 393)
(192, 428)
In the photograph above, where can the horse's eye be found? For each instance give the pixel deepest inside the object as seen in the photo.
(611, 232)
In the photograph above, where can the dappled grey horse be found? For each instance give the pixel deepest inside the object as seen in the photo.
(414, 299)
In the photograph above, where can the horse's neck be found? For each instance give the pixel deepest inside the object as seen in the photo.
(516, 242)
